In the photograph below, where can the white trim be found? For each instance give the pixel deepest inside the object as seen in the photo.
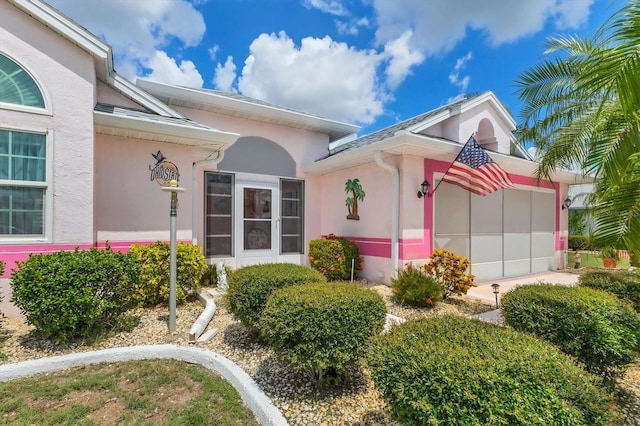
(141, 128)
(46, 98)
(47, 235)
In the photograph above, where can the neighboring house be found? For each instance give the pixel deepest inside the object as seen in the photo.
(82, 153)
(579, 195)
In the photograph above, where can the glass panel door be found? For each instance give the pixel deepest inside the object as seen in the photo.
(257, 218)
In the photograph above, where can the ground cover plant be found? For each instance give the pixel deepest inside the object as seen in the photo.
(249, 287)
(73, 295)
(322, 327)
(159, 392)
(452, 370)
(594, 326)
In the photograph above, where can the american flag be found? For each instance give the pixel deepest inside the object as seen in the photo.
(476, 172)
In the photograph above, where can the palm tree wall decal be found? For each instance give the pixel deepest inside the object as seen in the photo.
(353, 186)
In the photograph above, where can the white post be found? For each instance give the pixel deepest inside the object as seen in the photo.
(173, 213)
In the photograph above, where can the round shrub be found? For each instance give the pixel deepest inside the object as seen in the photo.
(412, 287)
(70, 295)
(452, 370)
(250, 286)
(625, 285)
(153, 288)
(333, 257)
(594, 326)
(322, 327)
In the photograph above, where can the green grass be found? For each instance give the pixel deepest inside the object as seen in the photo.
(155, 392)
(592, 259)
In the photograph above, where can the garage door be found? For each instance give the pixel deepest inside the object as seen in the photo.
(506, 233)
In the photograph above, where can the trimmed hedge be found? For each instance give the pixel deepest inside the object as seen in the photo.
(153, 288)
(452, 370)
(594, 326)
(625, 285)
(70, 295)
(249, 287)
(579, 242)
(412, 287)
(322, 327)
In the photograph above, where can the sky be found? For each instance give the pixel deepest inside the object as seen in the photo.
(366, 62)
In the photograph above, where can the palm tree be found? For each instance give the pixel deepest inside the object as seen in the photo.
(582, 110)
(353, 186)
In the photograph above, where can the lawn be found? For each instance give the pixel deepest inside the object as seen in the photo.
(592, 259)
(156, 392)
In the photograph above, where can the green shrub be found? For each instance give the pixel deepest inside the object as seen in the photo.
(594, 326)
(209, 276)
(153, 288)
(625, 285)
(250, 287)
(332, 256)
(69, 295)
(412, 287)
(452, 370)
(322, 327)
(578, 242)
(450, 270)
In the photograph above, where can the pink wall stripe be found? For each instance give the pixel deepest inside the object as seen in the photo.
(10, 254)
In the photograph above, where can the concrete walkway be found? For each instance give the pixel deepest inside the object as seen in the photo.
(484, 292)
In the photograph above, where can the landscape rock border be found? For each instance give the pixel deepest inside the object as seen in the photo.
(265, 411)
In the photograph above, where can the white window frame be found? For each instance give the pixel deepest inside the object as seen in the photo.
(47, 185)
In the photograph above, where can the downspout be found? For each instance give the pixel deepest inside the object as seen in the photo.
(395, 207)
(194, 194)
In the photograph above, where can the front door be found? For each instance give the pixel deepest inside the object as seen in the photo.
(257, 225)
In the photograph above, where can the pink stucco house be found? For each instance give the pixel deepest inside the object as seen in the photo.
(84, 152)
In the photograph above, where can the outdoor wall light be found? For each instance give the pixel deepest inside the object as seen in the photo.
(424, 189)
(496, 291)
(566, 203)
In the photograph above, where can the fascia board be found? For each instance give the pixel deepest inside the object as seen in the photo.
(191, 136)
(213, 99)
(143, 98)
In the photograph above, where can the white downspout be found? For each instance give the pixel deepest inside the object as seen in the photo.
(194, 192)
(395, 207)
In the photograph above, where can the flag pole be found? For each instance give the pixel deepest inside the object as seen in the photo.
(454, 160)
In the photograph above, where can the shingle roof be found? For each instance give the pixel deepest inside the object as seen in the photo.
(392, 130)
(144, 115)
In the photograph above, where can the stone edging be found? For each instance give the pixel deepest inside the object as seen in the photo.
(265, 411)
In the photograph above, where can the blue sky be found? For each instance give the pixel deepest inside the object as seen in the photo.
(367, 62)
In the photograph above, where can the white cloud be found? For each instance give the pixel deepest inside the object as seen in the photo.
(352, 26)
(401, 58)
(321, 77)
(454, 76)
(438, 26)
(166, 70)
(138, 30)
(332, 7)
(225, 75)
(213, 52)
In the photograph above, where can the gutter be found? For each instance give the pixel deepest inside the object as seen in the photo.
(194, 199)
(395, 207)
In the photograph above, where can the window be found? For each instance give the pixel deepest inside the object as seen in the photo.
(219, 214)
(17, 86)
(292, 214)
(23, 183)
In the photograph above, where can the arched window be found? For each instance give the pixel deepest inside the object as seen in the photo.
(17, 86)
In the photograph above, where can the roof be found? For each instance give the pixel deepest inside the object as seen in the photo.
(100, 51)
(131, 123)
(236, 105)
(392, 130)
